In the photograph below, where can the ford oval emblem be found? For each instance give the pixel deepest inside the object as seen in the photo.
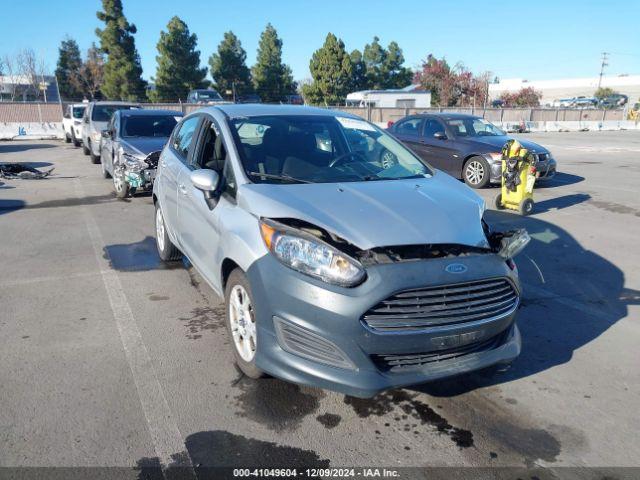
(456, 268)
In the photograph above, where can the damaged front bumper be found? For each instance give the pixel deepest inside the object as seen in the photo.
(142, 180)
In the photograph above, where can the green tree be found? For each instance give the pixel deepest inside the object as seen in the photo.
(228, 66)
(68, 67)
(122, 70)
(604, 92)
(374, 57)
(394, 74)
(359, 69)
(178, 61)
(272, 79)
(332, 73)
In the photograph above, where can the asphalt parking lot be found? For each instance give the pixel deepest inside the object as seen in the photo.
(109, 358)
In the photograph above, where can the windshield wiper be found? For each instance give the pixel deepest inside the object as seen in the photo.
(272, 176)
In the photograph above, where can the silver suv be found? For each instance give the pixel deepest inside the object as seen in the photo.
(95, 120)
(337, 271)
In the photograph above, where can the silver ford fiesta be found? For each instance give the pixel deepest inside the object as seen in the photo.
(344, 260)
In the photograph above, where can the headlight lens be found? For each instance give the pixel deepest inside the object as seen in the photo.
(493, 157)
(311, 256)
(512, 245)
(96, 136)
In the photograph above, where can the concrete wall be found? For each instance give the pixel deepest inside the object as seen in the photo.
(40, 120)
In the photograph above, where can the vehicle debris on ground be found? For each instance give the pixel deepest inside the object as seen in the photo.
(11, 171)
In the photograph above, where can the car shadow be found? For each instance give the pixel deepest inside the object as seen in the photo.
(571, 296)
(10, 205)
(560, 179)
(559, 203)
(20, 146)
(137, 257)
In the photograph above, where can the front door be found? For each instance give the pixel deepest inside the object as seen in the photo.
(199, 225)
(441, 152)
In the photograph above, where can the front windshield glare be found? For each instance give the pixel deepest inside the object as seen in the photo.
(321, 149)
(473, 127)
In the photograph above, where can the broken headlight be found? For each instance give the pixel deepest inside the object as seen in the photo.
(512, 243)
(311, 256)
(133, 163)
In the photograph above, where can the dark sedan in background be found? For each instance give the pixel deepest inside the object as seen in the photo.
(131, 146)
(465, 146)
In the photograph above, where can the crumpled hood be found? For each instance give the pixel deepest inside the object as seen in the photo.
(435, 210)
(145, 145)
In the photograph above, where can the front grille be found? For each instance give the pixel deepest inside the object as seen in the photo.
(152, 159)
(403, 362)
(305, 343)
(443, 305)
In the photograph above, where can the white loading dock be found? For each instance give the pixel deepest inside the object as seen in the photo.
(403, 98)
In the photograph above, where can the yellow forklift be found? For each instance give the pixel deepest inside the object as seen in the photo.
(518, 179)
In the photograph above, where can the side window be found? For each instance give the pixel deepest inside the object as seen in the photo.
(431, 127)
(409, 127)
(184, 136)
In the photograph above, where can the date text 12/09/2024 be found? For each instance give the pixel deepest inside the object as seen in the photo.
(316, 473)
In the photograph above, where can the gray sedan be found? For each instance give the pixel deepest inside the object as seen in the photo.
(337, 271)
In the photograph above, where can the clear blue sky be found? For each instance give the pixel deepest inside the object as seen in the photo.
(535, 39)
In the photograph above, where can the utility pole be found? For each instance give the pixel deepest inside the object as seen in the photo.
(604, 64)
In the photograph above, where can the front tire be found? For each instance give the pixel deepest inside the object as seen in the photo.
(120, 186)
(67, 138)
(241, 323)
(95, 159)
(76, 142)
(85, 149)
(166, 250)
(476, 172)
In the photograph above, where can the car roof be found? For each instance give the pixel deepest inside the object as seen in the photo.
(106, 102)
(148, 112)
(448, 115)
(251, 110)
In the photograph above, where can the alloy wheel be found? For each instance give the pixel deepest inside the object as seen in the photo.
(474, 172)
(243, 323)
(160, 229)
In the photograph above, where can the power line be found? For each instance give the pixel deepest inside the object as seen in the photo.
(604, 64)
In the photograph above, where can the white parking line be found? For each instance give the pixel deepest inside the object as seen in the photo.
(164, 431)
(50, 278)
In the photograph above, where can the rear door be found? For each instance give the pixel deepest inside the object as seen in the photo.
(442, 151)
(173, 161)
(409, 132)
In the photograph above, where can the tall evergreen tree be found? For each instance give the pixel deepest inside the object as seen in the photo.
(122, 70)
(178, 61)
(374, 56)
(395, 75)
(68, 67)
(272, 79)
(332, 73)
(228, 67)
(359, 68)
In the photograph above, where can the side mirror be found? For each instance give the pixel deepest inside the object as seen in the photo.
(207, 182)
(106, 134)
(440, 135)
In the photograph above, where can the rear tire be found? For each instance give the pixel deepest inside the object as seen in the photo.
(241, 323)
(166, 250)
(476, 172)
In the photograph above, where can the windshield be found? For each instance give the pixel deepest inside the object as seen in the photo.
(209, 95)
(473, 127)
(321, 149)
(78, 112)
(102, 113)
(148, 126)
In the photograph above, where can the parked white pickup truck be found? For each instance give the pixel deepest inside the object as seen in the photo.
(72, 123)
